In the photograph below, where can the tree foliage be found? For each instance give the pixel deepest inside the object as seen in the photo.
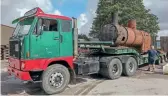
(127, 9)
(83, 36)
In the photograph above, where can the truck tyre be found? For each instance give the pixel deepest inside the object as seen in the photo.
(113, 69)
(55, 79)
(130, 67)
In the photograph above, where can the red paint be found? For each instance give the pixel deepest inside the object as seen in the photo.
(20, 74)
(54, 16)
(39, 64)
(42, 64)
(69, 60)
(40, 13)
(34, 64)
(14, 62)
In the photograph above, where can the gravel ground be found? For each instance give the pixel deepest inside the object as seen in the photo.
(143, 83)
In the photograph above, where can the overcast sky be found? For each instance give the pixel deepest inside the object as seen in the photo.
(11, 9)
(159, 8)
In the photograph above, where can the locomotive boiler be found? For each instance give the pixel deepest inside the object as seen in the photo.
(126, 36)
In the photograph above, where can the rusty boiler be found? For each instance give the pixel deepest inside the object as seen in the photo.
(126, 36)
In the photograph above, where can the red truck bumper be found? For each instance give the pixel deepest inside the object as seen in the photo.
(19, 74)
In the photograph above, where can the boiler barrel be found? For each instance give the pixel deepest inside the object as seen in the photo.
(132, 24)
(130, 36)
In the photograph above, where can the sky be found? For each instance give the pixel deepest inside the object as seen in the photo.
(83, 10)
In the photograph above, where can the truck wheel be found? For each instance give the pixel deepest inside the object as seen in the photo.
(55, 79)
(130, 67)
(114, 69)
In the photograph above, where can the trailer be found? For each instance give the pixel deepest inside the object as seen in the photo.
(44, 48)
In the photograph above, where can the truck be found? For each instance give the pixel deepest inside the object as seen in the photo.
(44, 48)
(164, 44)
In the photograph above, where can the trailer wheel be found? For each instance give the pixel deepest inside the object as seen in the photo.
(114, 70)
(130, 67)
(55, 79)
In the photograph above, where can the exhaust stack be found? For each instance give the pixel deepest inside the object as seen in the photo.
(75, 38)
(115, 18)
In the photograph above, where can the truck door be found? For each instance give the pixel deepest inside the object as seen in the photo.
(47, 43)
(66, 44)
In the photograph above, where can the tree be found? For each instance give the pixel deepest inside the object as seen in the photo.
(127, 9)
(83, 36)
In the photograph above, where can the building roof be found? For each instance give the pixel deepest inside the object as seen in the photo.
(6, 26)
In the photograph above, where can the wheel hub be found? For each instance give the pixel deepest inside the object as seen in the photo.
(56, 79)
(130, 66)
(115, 68)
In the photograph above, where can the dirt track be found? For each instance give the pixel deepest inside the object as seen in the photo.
(142, 83)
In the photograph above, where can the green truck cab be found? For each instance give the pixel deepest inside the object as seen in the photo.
(38, 41)
(45, 48)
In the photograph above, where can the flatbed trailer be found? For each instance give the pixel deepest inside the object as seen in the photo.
(105, 48)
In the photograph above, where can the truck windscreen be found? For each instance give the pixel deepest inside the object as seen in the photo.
(23, 26)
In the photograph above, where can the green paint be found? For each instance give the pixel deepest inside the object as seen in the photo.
(107, 49)
(15, 21)
(25, 46)
(22, 31)
(118, 50)
(49, 44)
(44, 45)
(108, 43)
(142, 59)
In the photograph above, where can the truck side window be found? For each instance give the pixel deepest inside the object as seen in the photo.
(53, 25)
(45, 24)
(66, 26)
(50, 25)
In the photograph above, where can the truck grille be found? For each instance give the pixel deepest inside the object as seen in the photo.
(15, 48)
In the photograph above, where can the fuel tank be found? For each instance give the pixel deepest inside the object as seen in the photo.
(127, 36)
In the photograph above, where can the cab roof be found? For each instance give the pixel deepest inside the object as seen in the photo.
(39, 13)
(54, 16)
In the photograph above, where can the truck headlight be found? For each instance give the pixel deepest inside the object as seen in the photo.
(16, 47)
